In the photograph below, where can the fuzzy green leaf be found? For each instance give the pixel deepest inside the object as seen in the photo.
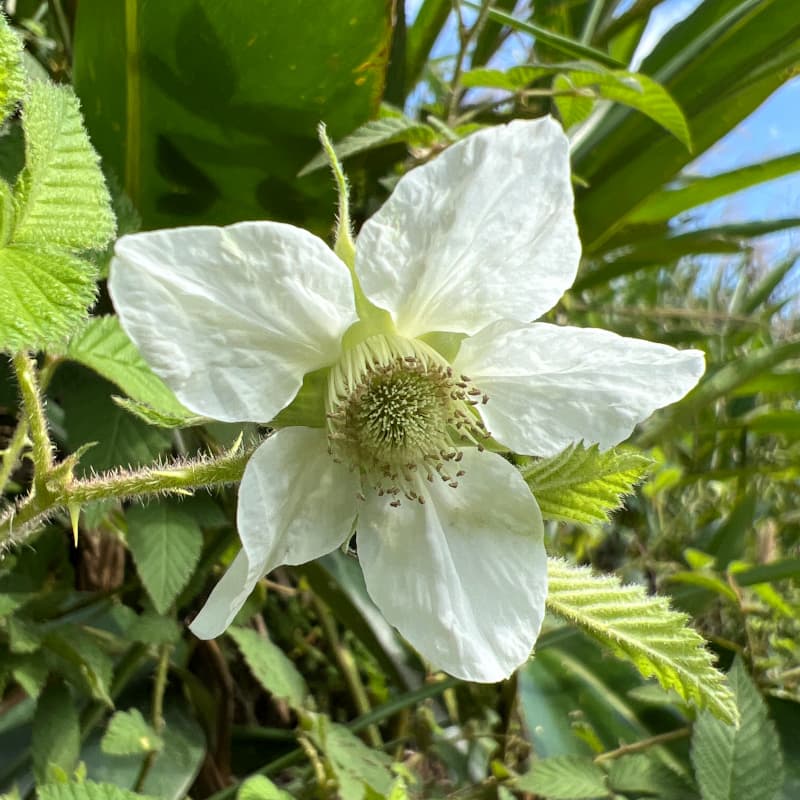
(565, 778)
(360, 771)
(56, 732)
(61, 195)
(584, 485)
(378, 133)
(642, 629)
(270, 666)
(44, 295)
(743, 763)
(643, 775)
(103, 346)
(160, 419)
(12, 75)
(519, 77)
(128, 733)
(87, 790)
(166, 545)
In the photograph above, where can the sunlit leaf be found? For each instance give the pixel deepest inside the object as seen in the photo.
(565, 778)
(128, 733)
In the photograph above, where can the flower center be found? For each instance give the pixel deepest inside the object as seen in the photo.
(398, 414)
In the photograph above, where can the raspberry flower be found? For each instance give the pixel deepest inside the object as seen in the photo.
(391, 374)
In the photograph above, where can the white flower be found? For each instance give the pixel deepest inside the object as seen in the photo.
(465, 252)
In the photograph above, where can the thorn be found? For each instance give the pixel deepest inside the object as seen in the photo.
(74, 517)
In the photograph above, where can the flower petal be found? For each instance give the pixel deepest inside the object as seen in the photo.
(484, 231)
(464, 576)
(549, 385)
(232, 318)
(295, 504)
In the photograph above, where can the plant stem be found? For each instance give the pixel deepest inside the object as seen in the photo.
(159, 688)
(20, 522)
(644, 744)
(12, 453)
(33, 407)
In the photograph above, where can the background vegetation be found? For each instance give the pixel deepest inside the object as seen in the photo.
(206, 112)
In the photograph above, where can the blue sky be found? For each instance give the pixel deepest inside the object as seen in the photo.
(772, 130)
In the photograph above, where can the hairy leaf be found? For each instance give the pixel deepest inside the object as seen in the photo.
(128, 733)
(642, 629)
(583, 484)
(270, 666)
(44, 295)
(61, 195)
(565, 778)
(259, 787)
(12, 76)
(103, 346)
(166, 545)
(743, 763)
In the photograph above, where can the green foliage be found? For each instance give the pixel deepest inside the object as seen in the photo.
(129, 734)
(270, 667)
(165, 543)
(565, 778)
(261, 788)
(103, 346)
(643, 630)
(87, 790)
(56, 733)
(738, 763)
(12, 78)
(583, 484)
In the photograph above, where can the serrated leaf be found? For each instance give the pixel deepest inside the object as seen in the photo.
(61, 195)
(56, 734)
(584, 485)
(642, 629)
(565, 778)
(152, 628)
(271, 667)
(642, 775)
(743, 763)
(74, 653)
(166, 545)
(360, 771)
(574, 103)
(103, 346)
(128, 733)
(259, 787)
(12, 75)
(88, 790)
(378, 133)
(521, 76)
(637, 91)
(45, 293)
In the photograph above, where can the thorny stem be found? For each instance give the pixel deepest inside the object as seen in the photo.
(19, 522)
(41, 446)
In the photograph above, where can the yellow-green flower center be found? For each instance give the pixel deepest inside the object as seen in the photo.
(397, 413)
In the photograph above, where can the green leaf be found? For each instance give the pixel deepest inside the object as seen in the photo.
(574, 104)
(103, 346)
(12, 75)
(359, 770)
(639, 92)
(743, 763)
(270, 666)
(61, 195)
(378, 133)
(87, 790)
(56, 732)
(128, 733)
(565, 778)
(166, 545)
(691, 191)
(562, 44)
(74, 653)
(44, 295)
(259, 787)
(158, 418)
(584, 485)
(642, 629)
(214, 109)
(637, 775)
(521, 76)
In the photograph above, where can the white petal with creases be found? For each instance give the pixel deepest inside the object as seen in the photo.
(464, 576)
(483, 231)
(232, 318)
(550, 385)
